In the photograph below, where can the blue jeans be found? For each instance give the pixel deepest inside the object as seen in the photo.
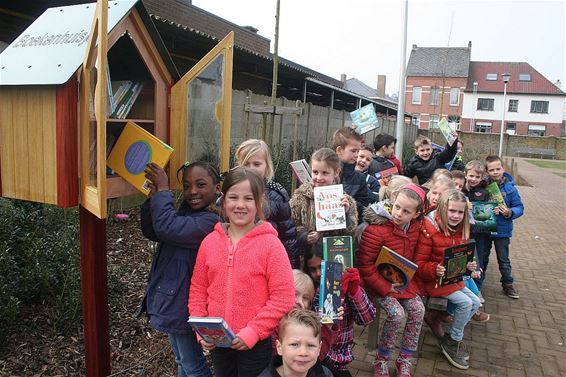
(472, 286)
(189, 356)
(502, 251)
(467, 304)
(483, 246)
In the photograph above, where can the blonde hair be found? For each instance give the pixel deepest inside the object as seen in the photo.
(422, 140)
(251, 147)
(395, 183)
(241, 174)
(343, 136)
(475, 165)
(303, 282)
(302, 317)
(329, 157)
(442, 210)
(439, 175)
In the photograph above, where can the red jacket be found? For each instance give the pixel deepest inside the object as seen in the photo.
(382, 232)
(397, 163)
(430, 253)
(250, 285)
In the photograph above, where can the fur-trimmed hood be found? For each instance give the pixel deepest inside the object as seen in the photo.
(378, 213)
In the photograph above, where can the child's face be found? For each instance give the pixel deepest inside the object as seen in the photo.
(239, 205)
(313, 265)
(257, 163)
(349, 153)
(404, 210)
(495, 171)
(456, 212)
(459, 182)
(473, 178)
(364, 159)
(322, 174)
(299, 348)
(198, 188)
(434, 194)
(424, 152)
(303, 297)
(460, 148)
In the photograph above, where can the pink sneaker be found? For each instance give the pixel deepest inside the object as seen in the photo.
(403, 367)
(380, 368)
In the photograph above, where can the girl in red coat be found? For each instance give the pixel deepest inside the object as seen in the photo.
(242, 274)
(448, 226)
(397, 227)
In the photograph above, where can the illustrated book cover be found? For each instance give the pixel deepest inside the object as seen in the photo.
(213, 330)
(484, 220)
(338, 249)
(395, 268)
(455, 260)
(302, 170)
(365, 119)
(447, 131)
(329, 211)
(495, 194)
(134, 149)
(329, 299)
(385, 175)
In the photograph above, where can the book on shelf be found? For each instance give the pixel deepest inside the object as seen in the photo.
(395, 268)
(213, 330)
(329, 299)
(133, 150)
(110, 96)
(495, 193)
(447, 131)
(126, 93)
(301, 170)
(456, 258)
(484, 220)
(364, 119)
(338, 249)
(329, 211)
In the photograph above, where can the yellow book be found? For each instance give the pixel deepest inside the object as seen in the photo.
(134, 149)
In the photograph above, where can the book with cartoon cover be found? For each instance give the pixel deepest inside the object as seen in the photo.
(213, 330)
(338, 249)
(329, 299)
(302, 170)
(446, 131)
(395, 268)
(365, 119)
(330, 214)
(484, 220)
(456, 258)
(495, 194)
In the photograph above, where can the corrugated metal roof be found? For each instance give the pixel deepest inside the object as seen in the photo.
(439, 62)
(537, 85)
(356, 86)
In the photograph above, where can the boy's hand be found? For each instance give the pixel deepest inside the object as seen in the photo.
(239, 345)
(345, 202)
(502, 210)
(157, 177)
(313, 237)
(440, 270)
(472, 266)
(340, 313)
(207, 346)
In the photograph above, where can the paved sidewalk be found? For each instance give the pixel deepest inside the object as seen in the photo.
(525, 337)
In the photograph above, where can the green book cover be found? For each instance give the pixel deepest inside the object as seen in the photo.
(495, 194)
(338, 249)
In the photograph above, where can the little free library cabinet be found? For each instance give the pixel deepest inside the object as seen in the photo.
(69, 85)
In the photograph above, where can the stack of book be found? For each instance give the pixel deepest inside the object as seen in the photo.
(125, 94)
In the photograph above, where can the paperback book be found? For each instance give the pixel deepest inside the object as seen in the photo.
(329, 211)
(213, 330)
(456, 258)
(329, 299)
(302, 170)
(495, 194)
(134, 149)
(484, 217)
(384, 176)
(338, 249)
(395, 268)
(365, 119)
(447, 131)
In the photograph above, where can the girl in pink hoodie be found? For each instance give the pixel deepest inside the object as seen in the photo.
(242, 274)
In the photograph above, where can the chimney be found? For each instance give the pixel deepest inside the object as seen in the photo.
(250, 28)
(381, 86)
(469, 44)
(343, 78)
(414, 47)
(558, 84)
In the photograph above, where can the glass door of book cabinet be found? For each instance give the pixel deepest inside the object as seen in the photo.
(201, 105)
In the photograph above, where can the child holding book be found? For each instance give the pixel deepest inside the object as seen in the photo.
(445, 227)
(506, 213)
(396, 227)
(255, 154)
(357, 308)
(362, 164)
(426, 161)
(326, 167)
(298, 347)
(240, 257)
(179, 233)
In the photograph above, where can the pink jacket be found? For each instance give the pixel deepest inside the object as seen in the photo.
(251, 285)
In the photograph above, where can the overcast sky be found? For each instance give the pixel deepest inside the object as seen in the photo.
(362, 38)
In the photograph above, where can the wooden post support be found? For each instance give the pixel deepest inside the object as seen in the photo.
(295, 141)
(94, 289)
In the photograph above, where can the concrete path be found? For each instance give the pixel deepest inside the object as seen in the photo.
(525, 337)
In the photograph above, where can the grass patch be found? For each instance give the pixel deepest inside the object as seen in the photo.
(561, 174)
(548, 164)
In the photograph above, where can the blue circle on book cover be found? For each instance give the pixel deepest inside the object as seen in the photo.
(137, 157)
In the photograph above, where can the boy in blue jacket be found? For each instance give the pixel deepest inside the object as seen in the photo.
(512, 209)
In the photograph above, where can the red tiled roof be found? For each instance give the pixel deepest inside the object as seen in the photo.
(538, 84)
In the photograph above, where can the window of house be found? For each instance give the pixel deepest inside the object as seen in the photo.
(454, 121)
(417, 120)
(433, 121)
(513, 105)
(491, 77)
(511, 128)
(483, 127)
(434, 95)
(536, 130)
(417, 92)
(524, 77)
(454, 96)
(539, 107)
(485, 104)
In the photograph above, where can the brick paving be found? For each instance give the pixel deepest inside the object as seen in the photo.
(525, 337)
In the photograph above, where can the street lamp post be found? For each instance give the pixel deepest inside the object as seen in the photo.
(506, 77)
